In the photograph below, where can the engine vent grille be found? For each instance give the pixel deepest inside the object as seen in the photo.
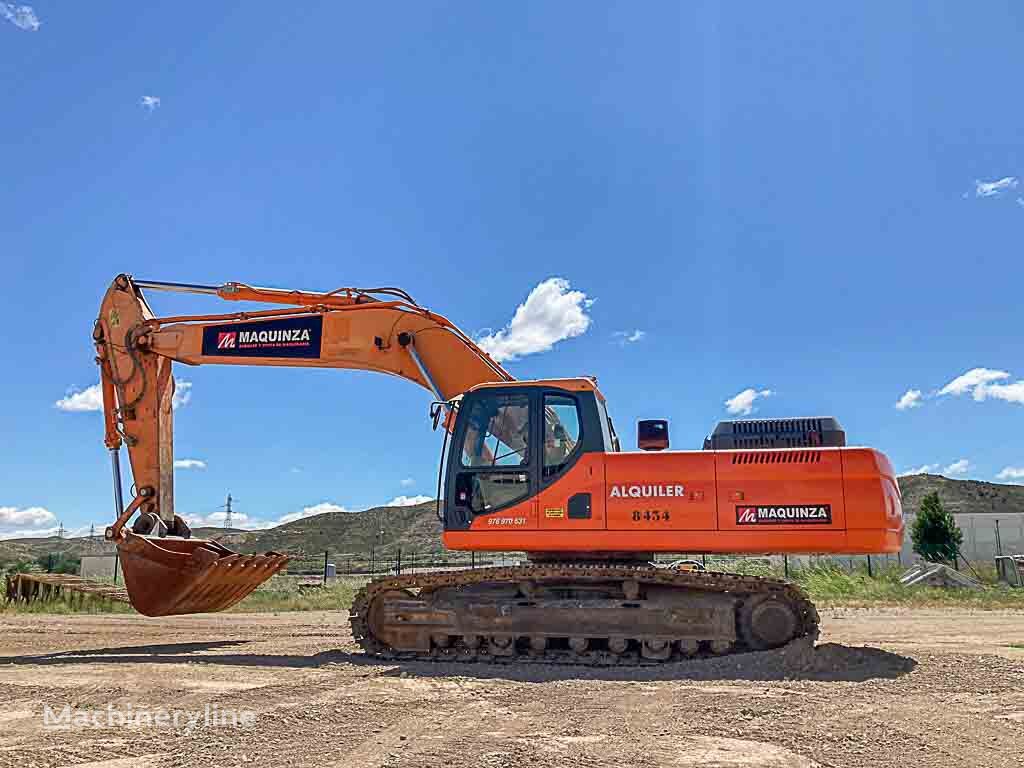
(792, 457)
(813, 432)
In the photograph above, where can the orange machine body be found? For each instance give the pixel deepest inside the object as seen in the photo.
(720, 502)
(790, 500)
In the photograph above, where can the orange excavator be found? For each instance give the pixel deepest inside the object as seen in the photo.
(532, 466)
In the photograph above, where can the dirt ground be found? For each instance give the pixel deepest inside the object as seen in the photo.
(884, 688)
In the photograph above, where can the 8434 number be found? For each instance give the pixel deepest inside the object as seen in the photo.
(651, 516)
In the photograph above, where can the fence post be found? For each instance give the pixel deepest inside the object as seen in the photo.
(398, 562)
(117, 561)
(869, 567)
(325, 566)
(785, 565)
(999, 543)
(472, 561)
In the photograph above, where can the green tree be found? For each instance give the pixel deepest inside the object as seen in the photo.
(936, 536)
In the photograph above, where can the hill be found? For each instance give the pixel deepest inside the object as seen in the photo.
(962, 496)
(413, 528)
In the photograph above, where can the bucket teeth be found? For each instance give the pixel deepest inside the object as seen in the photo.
(167, 577)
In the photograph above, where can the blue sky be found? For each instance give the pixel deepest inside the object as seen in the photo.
(816, 204)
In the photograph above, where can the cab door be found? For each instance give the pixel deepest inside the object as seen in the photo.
(571, 474)
(492, 468)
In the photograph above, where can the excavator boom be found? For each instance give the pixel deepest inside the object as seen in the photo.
(376, 329)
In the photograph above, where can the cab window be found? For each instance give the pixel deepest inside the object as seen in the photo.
(561, 433)
(498, 432)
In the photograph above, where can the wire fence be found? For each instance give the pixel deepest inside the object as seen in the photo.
(327, 565)
(393, 561)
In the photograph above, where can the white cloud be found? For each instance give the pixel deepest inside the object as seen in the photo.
(214, 518)
(323, 508)
(959, 467)
(628, 337)
(911, 399)
(407, 501)
(27, 522)
(182, 393)
(189, 464)
(968, 381)
(91, 398)
(21, 16)
(743, 403)
(149, 103)
(1011, 393)
(1020, 202)
(33, 517)
(551, 313)
(1011, 473)
(924, 469)
(407, 482)
(995, 188)
(984, 383)
(88, 399)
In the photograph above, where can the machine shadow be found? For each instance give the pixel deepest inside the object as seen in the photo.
(830, 662)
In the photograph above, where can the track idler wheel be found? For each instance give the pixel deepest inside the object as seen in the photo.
(656, 649)
(502, 645)
(767, 621)
(689, 647)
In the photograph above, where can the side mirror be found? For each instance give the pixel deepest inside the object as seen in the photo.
(652, 434)
(436, 409)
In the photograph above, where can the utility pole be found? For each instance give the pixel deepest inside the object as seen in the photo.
(60, 531)
(227, 513)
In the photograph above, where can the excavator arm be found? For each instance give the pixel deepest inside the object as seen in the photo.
(377, 329)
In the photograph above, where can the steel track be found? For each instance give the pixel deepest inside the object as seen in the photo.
(749, 587)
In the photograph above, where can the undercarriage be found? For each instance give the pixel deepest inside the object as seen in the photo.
(577, 613)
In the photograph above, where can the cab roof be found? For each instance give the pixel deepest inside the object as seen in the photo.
(579, 384)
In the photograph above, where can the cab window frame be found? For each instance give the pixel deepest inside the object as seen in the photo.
(577, 451)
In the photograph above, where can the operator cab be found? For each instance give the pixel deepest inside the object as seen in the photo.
(511, 440)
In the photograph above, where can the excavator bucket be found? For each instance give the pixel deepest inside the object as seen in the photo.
(170, 576)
